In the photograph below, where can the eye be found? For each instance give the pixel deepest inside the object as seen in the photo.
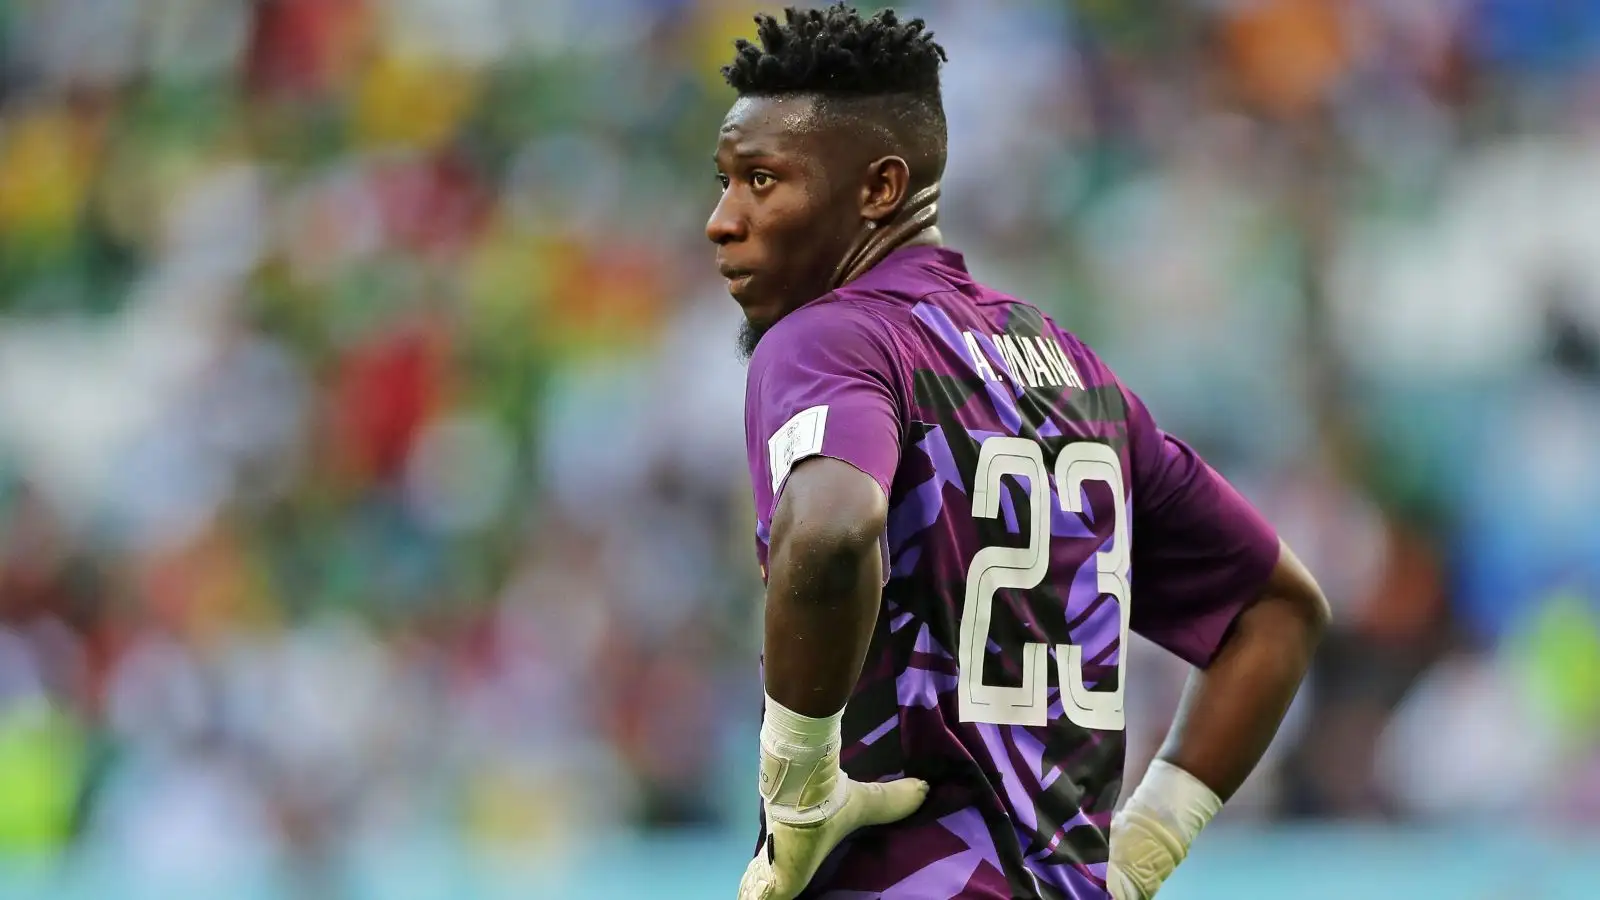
(761, 180)
(722, 181)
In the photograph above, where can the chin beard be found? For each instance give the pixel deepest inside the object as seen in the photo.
(749, 336)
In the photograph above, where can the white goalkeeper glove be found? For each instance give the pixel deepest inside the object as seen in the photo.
(811, 804)
(1152, 833)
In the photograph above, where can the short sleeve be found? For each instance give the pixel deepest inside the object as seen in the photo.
(822, 383)
(1201, 551)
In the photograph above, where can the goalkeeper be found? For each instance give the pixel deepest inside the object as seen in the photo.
(961, 514)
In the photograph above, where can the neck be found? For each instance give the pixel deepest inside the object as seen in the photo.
(917, 223)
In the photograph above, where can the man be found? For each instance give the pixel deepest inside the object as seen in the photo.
(961, 514)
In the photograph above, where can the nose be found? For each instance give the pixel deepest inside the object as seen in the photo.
(726, 225)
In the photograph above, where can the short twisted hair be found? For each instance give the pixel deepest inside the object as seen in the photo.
(835, 52)
(879, 69)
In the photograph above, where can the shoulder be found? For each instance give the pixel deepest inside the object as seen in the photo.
(1026, 318)
(1096, 372)
(841, 331)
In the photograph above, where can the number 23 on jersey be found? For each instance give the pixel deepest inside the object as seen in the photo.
(1024, 568)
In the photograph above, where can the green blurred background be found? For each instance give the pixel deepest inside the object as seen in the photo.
(373, 511)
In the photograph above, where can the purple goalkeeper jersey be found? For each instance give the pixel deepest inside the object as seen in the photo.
(1036, 515)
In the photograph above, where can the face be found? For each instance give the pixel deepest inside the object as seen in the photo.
(782, 224)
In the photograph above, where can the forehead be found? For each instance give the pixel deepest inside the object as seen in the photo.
(771, 126)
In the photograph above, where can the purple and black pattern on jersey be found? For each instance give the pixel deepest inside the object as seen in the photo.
(908, 374)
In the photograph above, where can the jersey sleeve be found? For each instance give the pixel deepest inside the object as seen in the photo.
(1201, 551)
(821, 383)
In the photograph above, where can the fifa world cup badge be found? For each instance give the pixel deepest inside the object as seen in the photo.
(795, 440)
(791, 444)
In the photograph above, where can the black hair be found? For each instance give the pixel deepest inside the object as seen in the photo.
(836, 53)
(879, 69)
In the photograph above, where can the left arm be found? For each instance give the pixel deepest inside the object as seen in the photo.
(825, 578)
(825, 575)
(822, 424)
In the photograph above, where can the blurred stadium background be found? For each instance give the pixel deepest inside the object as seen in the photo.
(373, 513)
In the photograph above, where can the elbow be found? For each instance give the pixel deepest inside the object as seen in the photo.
(1313, 611)
(1298, 593)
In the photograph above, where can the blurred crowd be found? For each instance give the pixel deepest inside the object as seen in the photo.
(371, 456)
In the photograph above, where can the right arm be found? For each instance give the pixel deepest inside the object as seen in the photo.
(1231, 710)
(1215, 586)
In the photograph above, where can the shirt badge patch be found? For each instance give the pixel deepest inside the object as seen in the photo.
(795, 440)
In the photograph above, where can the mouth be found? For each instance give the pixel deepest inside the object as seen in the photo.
(737, 278)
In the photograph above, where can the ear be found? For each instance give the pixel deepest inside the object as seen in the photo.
(887, 186)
